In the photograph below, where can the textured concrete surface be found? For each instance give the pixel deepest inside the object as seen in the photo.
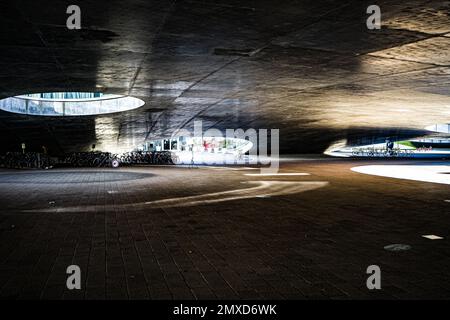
(310, 244)
(310, 68)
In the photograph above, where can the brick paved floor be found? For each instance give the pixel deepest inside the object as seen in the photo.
(310, 245)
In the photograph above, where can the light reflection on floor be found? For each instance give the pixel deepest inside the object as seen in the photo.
(427, 173)
(262, 189)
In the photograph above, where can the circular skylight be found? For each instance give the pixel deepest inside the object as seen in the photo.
(69, 103)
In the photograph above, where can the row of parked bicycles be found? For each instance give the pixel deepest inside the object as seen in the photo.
(106, 159)
(96, 159)
(21, 160)
(370, 152)
(87, 159)
(148, 157)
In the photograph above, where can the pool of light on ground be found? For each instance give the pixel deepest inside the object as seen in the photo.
(438, 173)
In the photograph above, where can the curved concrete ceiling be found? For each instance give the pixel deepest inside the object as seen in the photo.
(310, 68)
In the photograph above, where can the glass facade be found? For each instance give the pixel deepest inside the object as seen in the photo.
(196, 144)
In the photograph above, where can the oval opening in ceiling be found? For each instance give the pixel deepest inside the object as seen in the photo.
(69, 103)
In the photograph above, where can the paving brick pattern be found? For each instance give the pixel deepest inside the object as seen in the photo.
(311, 245)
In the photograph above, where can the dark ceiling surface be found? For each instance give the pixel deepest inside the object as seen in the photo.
(309, 68)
